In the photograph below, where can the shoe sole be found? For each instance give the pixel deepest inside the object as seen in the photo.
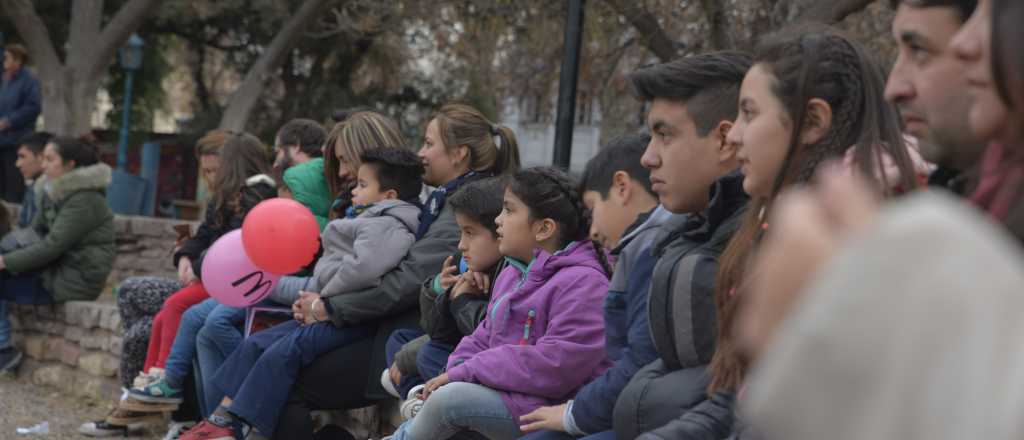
(154, 399)
(137, 406)
(137, 420)
(125, 431)
(13, 364)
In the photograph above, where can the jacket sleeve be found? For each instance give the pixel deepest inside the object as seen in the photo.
(399, 288)
(711, 419)
(405, 359)
(379, 246)
(593, 406)
(433, 307)
(573, 342)
(468, 311)
(79, 214)
(203, 238)
(25, 115)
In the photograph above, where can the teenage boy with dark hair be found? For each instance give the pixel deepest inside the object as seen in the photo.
(617, 190)
(694, 171)
(929, 86)
(299, 150)
(30, 164)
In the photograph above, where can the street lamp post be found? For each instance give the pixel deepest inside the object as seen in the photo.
(131, 62)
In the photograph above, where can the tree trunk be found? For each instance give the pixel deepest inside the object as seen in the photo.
(69, 88)
(832, 12)
(651, 33)
(245, 97)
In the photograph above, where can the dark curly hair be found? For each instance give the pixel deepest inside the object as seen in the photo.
(551, 193)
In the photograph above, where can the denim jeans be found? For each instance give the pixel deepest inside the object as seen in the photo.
(260, 373)
(458, 407)
(5, 326)
(209, 332)
(558, 435)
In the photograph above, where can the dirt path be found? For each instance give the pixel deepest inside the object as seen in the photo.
(24, 405)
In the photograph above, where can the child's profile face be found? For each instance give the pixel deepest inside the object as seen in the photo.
(516, 234)
(609, 217)
(367, 190)
(479, 246)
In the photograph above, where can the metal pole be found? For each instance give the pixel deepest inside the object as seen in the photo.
(567, 84)
(122, 146)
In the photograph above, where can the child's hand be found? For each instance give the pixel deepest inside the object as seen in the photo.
(307, 301)
(449, 273)
(545, 417)
(472, 283)
(433, 384)
(297, 310)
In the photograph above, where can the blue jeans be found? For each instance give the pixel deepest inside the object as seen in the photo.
(5, 326)
(431, 360)
(458, 407)
(208, 332)
(558, 435)
(259, 375)
(19, 289)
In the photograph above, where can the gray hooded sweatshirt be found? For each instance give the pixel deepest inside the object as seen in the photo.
(358, 251)
(913, 332)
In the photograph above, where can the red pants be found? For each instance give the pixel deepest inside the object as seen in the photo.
(166, 322)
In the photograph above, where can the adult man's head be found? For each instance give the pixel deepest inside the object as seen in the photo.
(693, 103)
(15, 56)
(30, 154)
(298, 141)
(928, 84)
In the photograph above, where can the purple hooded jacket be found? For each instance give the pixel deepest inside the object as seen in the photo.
(564, 343)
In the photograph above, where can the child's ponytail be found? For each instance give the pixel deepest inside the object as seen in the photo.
(551, 193)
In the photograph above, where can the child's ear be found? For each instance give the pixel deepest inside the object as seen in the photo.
(622, 185)
(390, 194)
(726, 150)
(544, 230)
(817, 121)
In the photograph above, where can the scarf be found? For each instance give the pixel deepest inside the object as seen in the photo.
(355, 210)
(435, 203)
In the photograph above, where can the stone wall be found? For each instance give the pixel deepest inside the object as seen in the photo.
(144, 247)
(74, 347)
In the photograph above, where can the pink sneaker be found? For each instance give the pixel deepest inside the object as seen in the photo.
(208, 431)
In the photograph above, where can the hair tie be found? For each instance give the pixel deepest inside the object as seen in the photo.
(494, 130)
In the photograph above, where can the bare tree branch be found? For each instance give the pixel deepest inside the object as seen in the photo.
(721, 37)
(652, 35)
(244, 99)
(128, 19)
(832, 11)
(32, 29)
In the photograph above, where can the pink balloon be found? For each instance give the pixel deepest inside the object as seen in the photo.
(231, 277)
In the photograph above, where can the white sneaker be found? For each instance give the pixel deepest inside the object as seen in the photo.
(146, 378)
(176, 429)
(385, 381)
(412, 404)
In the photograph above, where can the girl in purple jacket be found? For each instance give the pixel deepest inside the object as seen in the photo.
(543, 337)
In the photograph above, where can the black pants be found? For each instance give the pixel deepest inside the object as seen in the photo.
(336, 381)
(11, 180)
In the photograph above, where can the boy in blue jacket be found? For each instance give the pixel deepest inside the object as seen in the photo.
(626, 219)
